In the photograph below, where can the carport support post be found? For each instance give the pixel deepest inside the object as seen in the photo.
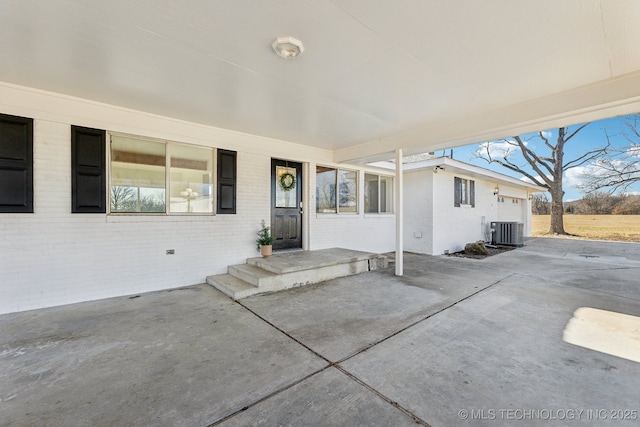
(399, 219)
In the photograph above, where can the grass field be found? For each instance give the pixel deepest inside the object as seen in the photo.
(597, 227)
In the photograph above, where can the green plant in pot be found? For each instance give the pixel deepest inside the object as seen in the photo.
(265, 240)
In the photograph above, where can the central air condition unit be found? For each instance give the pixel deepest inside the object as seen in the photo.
(507, 233)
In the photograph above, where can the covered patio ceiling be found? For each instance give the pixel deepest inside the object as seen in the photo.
(375, 75)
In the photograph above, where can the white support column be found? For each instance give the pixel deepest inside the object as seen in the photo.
(399, 214)
(306, 202)
(527, 216)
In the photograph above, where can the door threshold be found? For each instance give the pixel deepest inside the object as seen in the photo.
(281, 251)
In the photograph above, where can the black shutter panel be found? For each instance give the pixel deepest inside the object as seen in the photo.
(457, 191)
(88, 165)
(472, 193)
(16, 164)
(227, 171)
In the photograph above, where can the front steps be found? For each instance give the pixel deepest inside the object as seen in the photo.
(292, 269)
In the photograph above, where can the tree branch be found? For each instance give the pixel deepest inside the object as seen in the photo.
(587, 157)
(575, 132)
(546, 141)
(506, 163)
(534, 161)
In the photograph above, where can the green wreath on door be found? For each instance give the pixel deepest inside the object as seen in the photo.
(287, 181)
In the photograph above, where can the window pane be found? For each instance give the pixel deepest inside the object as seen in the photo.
(286, 198)
(137, 175)
(386, 194)
(348, 196)
(464, 191)
(191, 179)
(325, 189)
(370, 193)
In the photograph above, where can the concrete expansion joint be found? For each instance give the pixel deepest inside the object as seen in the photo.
(284, 333)
(404, 410)
(417, 322)
(330, 364)
(275, 393)
(337, 364)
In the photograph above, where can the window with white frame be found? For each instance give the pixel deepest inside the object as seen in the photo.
(336, 190)
(464, 192)
(150, 176)
(378, 193)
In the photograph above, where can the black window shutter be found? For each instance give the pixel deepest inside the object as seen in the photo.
(227, 172)
(88, 165)
(472, 193)
(16, 164)
(457, 191)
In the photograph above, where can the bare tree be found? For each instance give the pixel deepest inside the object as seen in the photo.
(123, 199)
(547, 169)
(630, 205)
(597, 203)
(620, 168)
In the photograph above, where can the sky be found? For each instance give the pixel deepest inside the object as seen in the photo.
(593, 136)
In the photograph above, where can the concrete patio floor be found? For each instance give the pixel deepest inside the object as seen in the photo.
(454, 341)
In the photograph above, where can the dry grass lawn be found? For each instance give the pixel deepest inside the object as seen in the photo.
(596, 227)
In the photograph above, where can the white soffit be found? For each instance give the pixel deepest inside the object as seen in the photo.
(375, 75)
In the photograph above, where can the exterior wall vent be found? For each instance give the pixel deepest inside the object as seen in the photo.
(507, 233)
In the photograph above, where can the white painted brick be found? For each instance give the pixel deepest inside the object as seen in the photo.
(54, 257)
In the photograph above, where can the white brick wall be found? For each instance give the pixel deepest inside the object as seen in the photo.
(457, 226)
(53, 257)
(371, 233)
(357, 231)
(418, 211)
(430, 210)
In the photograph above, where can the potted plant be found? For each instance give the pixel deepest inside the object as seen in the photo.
(265, 240)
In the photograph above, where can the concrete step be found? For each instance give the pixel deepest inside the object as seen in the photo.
(232, 286)
(254, 275)
(292, 269)
(289, 262)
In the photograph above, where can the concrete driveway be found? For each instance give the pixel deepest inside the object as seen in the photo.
(548, 334)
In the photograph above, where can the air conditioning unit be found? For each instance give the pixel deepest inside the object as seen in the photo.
(507, 233)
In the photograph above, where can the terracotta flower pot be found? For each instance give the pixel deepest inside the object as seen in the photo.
(266, 250)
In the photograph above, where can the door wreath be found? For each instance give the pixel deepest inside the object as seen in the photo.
(287, 181)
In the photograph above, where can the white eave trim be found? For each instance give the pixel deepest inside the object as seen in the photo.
(452, 165)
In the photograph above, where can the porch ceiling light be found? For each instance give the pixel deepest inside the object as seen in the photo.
(287, 47)
(496, 190)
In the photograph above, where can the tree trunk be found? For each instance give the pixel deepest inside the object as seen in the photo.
(557, 210)
(555, 188)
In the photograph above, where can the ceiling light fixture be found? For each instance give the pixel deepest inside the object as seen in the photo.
(287, 47)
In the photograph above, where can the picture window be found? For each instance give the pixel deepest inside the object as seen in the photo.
(152, 177)
(336, 190)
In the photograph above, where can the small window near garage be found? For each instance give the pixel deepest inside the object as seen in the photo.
(149, 176)
(336, 190)
(378, 193)
(16, 164)
(464, 192)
